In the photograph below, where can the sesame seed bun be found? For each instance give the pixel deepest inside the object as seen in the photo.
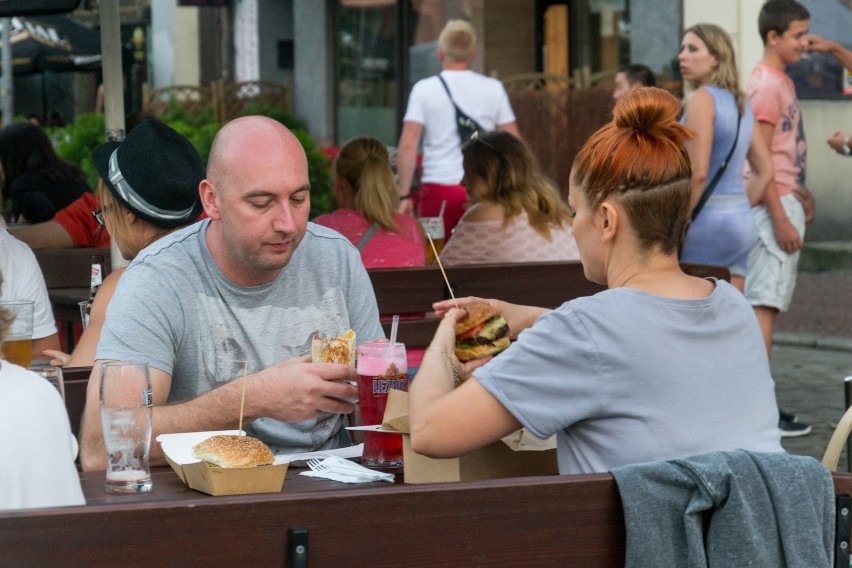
(234, 451)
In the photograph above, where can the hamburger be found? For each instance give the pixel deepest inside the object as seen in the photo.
(230, 450)
(481, 333)
(334, 350)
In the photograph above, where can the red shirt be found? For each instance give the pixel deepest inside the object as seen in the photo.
(78, 220)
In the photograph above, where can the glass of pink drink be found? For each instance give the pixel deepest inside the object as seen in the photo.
(380, 368)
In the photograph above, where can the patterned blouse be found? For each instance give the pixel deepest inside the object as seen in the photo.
(487, 242)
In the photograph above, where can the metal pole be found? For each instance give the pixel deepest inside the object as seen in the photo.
(7, 90)
(112, 73)
(847, 389)
(113, 87)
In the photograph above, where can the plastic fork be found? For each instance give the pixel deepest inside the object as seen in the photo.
(334, 465)
(338, 464)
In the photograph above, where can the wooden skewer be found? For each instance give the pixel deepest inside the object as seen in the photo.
(441, 266)
(243, 396)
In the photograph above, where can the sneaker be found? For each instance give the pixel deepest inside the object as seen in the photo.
(787, 416)
(791, 429)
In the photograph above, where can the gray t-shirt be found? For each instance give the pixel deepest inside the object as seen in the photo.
(625, 377)
(175, 309)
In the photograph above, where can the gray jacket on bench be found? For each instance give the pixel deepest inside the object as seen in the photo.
(728, 509)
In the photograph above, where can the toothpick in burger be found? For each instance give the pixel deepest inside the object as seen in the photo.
(481, 333)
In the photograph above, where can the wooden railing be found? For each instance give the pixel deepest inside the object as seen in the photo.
(557, 114)
(228, 101)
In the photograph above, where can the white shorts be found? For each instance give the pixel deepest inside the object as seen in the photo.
(771, 276)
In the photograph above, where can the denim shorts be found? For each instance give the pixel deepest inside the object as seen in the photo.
(771, 276)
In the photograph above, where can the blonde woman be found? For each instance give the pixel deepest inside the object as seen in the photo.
(723, 231)
(148, 188)
(515, 214)
(366, 194)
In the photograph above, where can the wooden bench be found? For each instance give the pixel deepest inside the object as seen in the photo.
(547, 284)
(67, 274)
(571, 520)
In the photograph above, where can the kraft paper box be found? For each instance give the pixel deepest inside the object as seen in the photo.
(518, 454)
(197, 475)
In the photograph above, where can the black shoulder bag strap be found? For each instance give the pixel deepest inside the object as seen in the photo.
(708, 189)
(365, 238)
(463, 121)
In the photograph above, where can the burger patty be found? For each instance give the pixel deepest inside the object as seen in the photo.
(495, 328)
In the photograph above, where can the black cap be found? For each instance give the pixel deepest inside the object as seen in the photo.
(154, 172)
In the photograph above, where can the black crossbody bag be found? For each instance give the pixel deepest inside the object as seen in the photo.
(465, 124)
(708, 189)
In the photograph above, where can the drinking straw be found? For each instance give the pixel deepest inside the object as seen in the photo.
(441, 212)
(441, 266)
(243, 396)
(394, 326)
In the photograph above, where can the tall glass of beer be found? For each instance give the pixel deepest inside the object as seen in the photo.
(380, 368)
(434, 227)
(18, 348)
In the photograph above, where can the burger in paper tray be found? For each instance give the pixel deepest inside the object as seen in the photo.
(224, 462)
(518, 454)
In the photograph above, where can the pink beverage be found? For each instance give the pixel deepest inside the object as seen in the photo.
(380, 369)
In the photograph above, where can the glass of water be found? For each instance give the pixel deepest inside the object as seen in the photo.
(53, 375)
(126, 401)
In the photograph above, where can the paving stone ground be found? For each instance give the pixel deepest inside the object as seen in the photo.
(813, 354)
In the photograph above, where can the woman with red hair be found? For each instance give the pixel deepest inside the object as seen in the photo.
(659, 366)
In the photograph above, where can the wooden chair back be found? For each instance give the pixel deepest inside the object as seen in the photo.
(411, 291)
(69, 267)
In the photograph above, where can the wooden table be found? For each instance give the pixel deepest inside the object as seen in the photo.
(535, 521)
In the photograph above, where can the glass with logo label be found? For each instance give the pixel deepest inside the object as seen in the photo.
(380, 367)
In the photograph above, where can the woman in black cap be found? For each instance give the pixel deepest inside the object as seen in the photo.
(148, 188)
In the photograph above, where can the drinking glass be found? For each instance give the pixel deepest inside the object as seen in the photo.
(18, 347)
(53, 375)
(434, 227)
(380, 368)
(84, 317)
(126, 421)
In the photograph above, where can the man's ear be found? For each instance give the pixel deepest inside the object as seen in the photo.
(209, 199)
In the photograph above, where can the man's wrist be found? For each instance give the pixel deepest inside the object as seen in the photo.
(845, 150)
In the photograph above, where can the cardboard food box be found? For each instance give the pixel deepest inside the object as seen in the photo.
(518, 454)
(214, 480)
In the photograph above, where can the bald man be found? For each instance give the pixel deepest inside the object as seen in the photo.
(253, 282)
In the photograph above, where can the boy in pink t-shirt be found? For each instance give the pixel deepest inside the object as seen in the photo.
(786, 206)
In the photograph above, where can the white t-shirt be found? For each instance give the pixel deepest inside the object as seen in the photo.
(626, 377)
(37, 447)
(23, 280)
(482, 98)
